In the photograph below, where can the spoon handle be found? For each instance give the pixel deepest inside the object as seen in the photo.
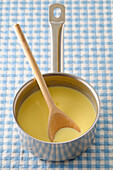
(34, 66)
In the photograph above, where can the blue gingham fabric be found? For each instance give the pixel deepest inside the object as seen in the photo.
(88, 53)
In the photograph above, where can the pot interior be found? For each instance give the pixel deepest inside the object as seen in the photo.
(57, 79)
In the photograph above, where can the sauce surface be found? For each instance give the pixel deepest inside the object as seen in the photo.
(33, 113)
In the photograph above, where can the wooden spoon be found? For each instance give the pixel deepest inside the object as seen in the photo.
(57, 119)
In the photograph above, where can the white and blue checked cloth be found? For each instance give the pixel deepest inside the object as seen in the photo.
(88, 53)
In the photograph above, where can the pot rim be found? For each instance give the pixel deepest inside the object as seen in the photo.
(68, 75)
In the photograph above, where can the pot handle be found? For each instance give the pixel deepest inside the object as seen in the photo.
(57, 37)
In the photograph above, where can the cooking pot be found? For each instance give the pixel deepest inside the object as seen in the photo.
(63, 150)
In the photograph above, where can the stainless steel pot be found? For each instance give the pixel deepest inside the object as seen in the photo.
(63, 150)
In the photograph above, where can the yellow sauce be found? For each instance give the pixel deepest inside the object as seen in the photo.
(33, 113)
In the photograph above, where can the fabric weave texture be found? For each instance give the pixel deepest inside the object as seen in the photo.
(88, 53)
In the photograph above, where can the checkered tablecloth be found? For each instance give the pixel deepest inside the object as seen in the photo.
(88, 53)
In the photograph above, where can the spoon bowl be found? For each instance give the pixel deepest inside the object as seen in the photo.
(58, 120)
